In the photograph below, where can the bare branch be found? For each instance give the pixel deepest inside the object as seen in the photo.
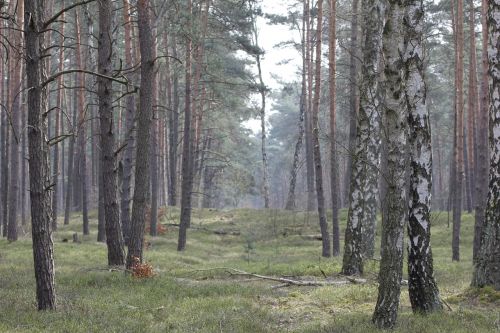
(59, 13)
(70, 71)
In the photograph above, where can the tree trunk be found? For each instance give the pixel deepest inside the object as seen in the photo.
(487, 265)
(424, 293)
(144, 116)
(71, 161)
(353, 95)
(318, 172)
(173, 125)
(128, 156)
(308, 113)
(114, 237)
(459, 150)
(364, 177)
(290, 202)
(2, 137)
(5, 172)
(4, 152)
(81, 162)
(41, 214)
(473, 108)
(467, 195)
(187, 179)
(173, 133)
(482, 139)
(153, 154)
(101, 214)
(24, 169)
(15, 144)
(395, 115)
(334, 183)
(60, 90)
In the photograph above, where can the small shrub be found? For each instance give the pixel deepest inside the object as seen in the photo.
(142, 270)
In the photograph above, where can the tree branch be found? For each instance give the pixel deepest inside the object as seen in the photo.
(286, 281)
(70, 71)
(59, 13)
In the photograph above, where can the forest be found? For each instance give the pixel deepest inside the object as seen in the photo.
(249, 165)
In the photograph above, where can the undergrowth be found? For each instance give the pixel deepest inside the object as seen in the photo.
(190, 292)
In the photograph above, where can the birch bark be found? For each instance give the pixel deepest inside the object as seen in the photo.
(364, 176)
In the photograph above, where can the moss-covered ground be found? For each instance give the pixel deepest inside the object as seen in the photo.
(190, 294)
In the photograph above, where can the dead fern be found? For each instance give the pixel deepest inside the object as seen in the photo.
(142, 270)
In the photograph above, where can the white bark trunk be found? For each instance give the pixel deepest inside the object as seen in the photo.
(395, 215)
(424, 294)
(364, 177)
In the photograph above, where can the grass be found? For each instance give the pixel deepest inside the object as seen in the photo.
(186, 295)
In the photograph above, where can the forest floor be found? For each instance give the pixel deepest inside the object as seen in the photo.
(194, 291)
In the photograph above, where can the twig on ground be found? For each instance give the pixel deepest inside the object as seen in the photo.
(287, 281)
(105, 269)
(447, 305)
(217, 231)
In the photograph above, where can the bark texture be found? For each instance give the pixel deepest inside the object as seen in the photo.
(308, 114)
(15, 109)
(80, 186)
(173, 134)
(126, 181)
(364, 177)
(353, 95)
(144, 118)
(334, 181)
(187, 179)
(318, 168)
(396, 138)
(487, 265)
(472, 111)
(290, 201)
(482, 138)
(60, 96)
(41, 214)
(424, 293)
(459, 133)
(265, 168)
(114, 238)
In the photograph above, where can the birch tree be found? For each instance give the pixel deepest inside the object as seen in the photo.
(364, 179)
(395, 114)
(318, 168)
(424, 294)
